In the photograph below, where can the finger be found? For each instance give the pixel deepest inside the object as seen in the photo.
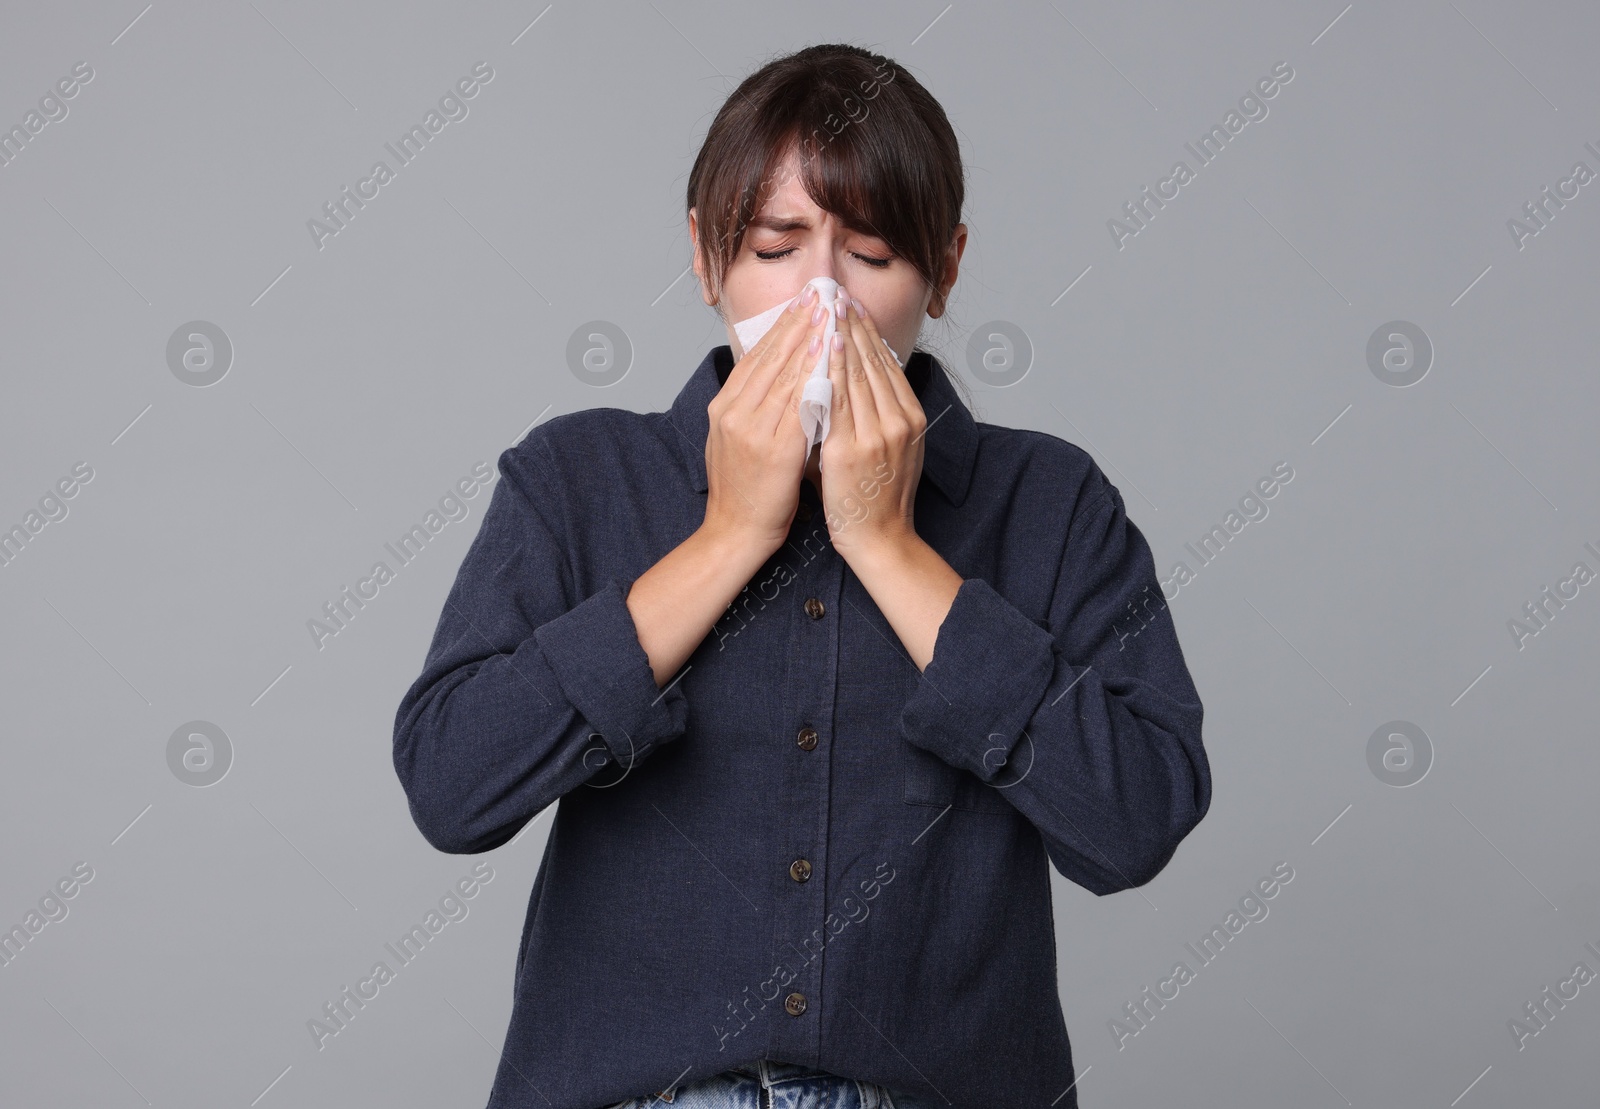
(876, 372)
(889, 375)
(861, 398)
(783, 397)
(842, 412)
(871, 328)
(753, 374)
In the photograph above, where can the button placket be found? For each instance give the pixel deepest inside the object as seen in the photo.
(809, 691)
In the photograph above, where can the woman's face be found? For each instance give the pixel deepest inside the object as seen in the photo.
(801, 241)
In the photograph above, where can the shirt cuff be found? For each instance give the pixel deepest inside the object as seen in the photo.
(601, 666)
(990, 668)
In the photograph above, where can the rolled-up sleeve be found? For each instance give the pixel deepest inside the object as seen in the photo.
(605, 675)
(523, 677)
(1089, 723)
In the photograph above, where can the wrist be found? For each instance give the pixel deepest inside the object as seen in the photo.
(734, 545)
(868, 549)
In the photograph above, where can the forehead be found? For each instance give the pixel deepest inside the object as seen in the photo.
(787, 192)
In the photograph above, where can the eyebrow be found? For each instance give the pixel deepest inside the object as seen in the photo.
(798, 223)
(781, 223)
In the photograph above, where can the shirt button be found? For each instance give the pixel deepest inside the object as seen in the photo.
(795, 1004)
(814, 608)
(807, 739)
(800, 870)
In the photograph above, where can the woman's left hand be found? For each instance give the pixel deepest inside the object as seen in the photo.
(871, 461)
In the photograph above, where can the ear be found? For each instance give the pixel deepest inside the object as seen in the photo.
(952, 266)
(699, 263)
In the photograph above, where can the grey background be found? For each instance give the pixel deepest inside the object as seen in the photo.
(370, 375)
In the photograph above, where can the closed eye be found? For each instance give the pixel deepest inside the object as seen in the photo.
(774, 255)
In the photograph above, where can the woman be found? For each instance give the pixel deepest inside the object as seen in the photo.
(817, 717)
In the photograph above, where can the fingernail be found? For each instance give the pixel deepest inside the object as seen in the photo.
(809, 294)
(817, 314)
(838, 341)
(840, 307)
(860, 310)
(816, 344)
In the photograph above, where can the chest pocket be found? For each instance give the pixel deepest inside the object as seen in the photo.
(929, 780)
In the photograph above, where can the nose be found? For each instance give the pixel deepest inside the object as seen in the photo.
(831, 236)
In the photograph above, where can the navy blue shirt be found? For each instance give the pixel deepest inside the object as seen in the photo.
(803, 848)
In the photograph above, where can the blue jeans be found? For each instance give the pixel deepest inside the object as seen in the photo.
(771, 1085)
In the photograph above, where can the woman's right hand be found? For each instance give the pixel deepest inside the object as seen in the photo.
(756, 448)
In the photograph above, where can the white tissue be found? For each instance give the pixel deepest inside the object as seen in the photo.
(816, 399)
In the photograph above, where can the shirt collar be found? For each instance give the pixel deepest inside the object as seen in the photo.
(951, 439)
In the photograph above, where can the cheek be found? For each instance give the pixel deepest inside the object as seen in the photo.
(897, 313)
(741, 304)
(746, 293)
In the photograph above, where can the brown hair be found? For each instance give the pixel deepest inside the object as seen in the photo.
(898, 177)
